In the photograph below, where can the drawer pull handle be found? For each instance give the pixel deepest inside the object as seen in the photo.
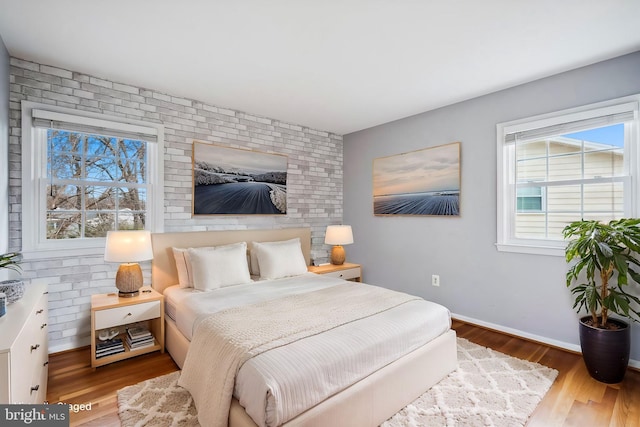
(35, 347)
(129, 314)
(45, 363)
(44, 325)
(40, 311)
(34, 388)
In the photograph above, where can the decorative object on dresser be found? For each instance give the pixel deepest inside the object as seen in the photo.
(346, 271)
(142, 321)
(24, 348)
(128, 247)
(13, 289)
(338, 235)
(605, 255)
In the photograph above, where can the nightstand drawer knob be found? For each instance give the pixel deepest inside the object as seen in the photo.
(45, 363)
(35, 388)
(35, 347)
(129, 314)
(44, 325)
(39, 311)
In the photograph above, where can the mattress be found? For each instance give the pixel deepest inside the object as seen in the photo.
(277, 385)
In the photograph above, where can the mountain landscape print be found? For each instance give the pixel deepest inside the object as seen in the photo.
(423, 182)
(229, 181)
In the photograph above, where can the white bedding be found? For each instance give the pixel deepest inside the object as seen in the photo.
(279, 384)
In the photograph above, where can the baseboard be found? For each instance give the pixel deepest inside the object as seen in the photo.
(531, 337)
(70, 346)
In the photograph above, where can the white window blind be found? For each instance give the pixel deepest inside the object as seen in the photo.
(56, 120)
(574, 126)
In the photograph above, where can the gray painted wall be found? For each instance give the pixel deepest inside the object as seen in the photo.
(4, 152)
(520, 293)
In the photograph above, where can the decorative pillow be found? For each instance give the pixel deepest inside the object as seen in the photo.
(183, 265)
(219, 266)
(280, 259)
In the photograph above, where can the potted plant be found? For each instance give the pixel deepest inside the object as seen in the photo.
(602, 280)
(13, 289)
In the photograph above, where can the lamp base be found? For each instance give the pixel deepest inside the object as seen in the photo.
(338, 255)
(129, 279)
(128, 294)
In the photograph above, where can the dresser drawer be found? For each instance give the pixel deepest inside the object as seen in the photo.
(24, 352)
(27, 364)
(346, 274)
(38, 386)
(128, 314)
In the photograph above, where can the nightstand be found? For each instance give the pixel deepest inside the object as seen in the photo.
(345, 271)
(111, 312)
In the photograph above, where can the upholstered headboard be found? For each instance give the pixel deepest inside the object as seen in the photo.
(163, 267)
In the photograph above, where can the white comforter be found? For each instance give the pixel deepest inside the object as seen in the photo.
(277, 385)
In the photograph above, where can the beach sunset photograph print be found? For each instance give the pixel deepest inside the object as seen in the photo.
(422, 182)
(230, 181)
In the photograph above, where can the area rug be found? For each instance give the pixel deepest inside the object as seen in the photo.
(488, 389)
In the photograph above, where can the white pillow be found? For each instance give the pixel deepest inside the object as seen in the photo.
(280, 259)
(183, 265)
(219, 266)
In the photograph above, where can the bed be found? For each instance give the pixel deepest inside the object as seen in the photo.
(368, 400)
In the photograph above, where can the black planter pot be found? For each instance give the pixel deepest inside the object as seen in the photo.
(606, 352)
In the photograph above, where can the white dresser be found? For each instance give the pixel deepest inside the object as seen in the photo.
(24, 348)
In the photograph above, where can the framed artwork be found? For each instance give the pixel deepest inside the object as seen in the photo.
(230, 181)
(422, 182)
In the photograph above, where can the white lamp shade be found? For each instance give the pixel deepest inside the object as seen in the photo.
(338, 235)
(128, 246)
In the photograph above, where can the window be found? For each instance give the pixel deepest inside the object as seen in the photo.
(562, 167)
(529, 199)
(84, 175)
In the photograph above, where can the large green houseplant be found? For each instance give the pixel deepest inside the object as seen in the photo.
(602, 276)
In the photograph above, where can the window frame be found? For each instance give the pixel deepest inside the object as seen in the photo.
(34, 166)
(506, 191)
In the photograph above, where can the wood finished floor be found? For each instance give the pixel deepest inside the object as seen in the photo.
(575, 399)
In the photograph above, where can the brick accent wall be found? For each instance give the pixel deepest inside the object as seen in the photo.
(314, 183)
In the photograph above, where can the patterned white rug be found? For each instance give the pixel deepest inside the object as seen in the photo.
(488, 389)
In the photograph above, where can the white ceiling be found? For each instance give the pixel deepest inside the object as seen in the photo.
(334, 65)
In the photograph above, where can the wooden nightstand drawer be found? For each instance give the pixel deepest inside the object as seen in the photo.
(128, 314)
(350, 273)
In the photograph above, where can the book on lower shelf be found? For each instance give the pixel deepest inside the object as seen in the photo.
(135, 344)
(109, 347)
(138, 332)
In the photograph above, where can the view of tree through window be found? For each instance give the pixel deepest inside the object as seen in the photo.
(95, 183)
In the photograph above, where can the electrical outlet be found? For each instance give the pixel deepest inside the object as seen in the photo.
(435, 280)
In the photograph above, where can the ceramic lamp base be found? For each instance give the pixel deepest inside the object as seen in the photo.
(338, 255)
(129, 279)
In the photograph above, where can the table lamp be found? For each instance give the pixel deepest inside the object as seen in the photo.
(128, 247)
(338, 235)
